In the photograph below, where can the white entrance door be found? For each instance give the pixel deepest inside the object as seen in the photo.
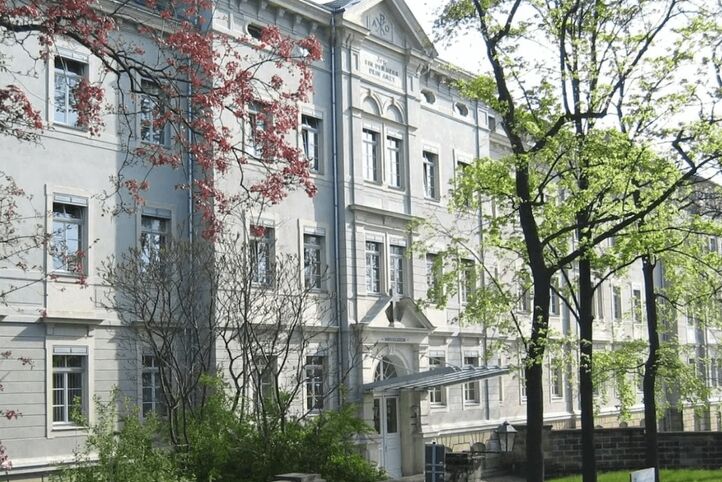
(386, 422)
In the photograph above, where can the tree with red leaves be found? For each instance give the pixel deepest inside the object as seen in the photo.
(221, 100)
(212, 103)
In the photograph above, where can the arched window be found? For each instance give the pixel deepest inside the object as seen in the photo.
(371, 106)
(384, 370)
(394, 114)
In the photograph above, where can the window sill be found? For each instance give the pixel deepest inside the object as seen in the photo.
(66, 276)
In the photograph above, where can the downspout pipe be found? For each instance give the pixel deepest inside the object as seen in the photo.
(340, 318)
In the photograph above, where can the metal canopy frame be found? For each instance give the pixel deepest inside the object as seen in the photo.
(439, 377)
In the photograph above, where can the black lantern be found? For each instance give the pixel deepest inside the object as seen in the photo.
(506, 433)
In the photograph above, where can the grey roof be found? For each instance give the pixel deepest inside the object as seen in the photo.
(440, 377)
(341, 4)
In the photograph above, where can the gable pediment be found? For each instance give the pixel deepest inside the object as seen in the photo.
(391, 21)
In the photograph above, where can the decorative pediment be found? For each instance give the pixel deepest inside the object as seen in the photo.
(391, 21)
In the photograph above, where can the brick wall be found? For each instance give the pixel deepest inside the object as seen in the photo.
(623, 449)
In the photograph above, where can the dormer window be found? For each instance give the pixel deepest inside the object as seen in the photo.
(461, 109)
(428, 96)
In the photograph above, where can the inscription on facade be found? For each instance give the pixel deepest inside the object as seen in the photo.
(381, 68)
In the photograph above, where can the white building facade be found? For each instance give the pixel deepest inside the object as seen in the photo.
(387, 134)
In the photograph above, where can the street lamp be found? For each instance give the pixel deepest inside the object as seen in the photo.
(506, 433)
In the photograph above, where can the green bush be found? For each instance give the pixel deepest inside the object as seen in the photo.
(130, 454)
(222, 447)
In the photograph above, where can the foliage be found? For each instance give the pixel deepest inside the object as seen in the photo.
(121, 446)
(225, 447)
(667, 475)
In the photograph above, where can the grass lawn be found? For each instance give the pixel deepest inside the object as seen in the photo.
(665, 476)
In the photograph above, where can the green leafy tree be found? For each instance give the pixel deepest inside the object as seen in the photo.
(588, 114)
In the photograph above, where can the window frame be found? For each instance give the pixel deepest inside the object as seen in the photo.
(314, 384)
(307, 129)
(439, 361)
(268, 239)
(377, 253)
(164, 215)
(430, 163)
(370, 145)
(394, 161)
(157, 99)
(55, 346)
(57, 72)
(397, 268)
(157, 401)
(556, 380)
(319, 248)
(472, 390)
(617, 304)
(81, 202)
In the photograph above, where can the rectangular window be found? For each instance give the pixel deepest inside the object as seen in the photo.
(617, 303)
(397, 259)
(713, 372)
(433, 277)
(152, 128)
(554, 304)
(370, 155)
(712, 244)
(310, 136)
(526, 299)
(373, 267)
(262, 254)
(153, 401)
(556, 377)
(68, 75)
(256, 126)
(153, 236)
(492, 124)
(312, 261)
(314, 382)
(436, 394)
(393, 159)
(500, 379)
(598, 303)
(467, 284)
(266, 379)
(637, 313)
(68, 237)
(471, 389)
(431, 161)
(522, 384)
(69, 384)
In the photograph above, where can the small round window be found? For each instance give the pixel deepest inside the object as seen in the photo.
(428, 96)
(461, 109)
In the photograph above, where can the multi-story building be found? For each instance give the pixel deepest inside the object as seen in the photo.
(386, 132)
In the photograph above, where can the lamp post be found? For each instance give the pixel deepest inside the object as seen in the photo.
(506, 433)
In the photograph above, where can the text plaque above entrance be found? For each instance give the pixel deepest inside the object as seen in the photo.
(381, 68)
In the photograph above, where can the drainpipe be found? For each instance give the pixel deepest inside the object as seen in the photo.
(484, 335)
(340, 318)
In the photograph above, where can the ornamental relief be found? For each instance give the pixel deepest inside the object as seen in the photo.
(381, 25)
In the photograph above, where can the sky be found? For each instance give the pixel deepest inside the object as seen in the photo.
(464, 52)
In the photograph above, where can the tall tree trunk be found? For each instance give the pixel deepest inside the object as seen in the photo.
(534, 386)
(586, 386)
(650, 367)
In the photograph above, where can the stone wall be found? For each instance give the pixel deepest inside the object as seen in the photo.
(623, 449)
